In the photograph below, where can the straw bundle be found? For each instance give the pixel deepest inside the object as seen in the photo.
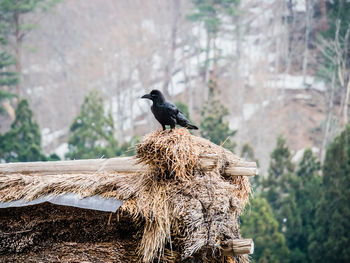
(185, 208)
(179, 211)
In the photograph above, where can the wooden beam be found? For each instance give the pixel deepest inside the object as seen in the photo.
(237, 247)
(234, 167)
(118, 165)
(247, 171)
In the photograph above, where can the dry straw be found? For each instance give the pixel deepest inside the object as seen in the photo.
(181, 211)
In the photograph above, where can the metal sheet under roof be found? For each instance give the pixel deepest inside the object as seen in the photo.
(94, 202)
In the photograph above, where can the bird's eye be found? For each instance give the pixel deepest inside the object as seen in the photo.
(153, 95)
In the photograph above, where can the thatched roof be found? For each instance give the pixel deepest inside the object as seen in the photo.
(178, 210)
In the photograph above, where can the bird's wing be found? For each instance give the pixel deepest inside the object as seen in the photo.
(184, 122)
(171, 109)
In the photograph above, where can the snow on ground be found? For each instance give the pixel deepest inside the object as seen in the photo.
(61, 150)
(50, 136)
(303, 97)
(235, 123)
(298, 156)
(287, 81)
(249, 109)
(299, 5)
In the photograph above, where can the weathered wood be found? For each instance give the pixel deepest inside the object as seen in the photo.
(119, 165)
(232, 168)
(238, 247)
(247, 171)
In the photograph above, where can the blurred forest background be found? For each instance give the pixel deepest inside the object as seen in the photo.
(268, 79)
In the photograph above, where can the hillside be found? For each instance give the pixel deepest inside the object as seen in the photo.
(124, 49)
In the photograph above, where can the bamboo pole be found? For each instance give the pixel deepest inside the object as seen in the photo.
(117, 165)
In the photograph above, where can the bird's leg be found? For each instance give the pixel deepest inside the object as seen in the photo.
(172, 127)
(163, 127)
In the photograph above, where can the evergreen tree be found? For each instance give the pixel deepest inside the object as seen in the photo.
(279, 173)
(335, 51)
(280, 162)
(14, 28)
(292, 196)
(280, 190)
(213, 125)
(129, 148)
(337, 11)
(330, 241)
(184, 109)
(334, 47)
(289, 216)
(247, 153)
(208, 12)
(92, 132)
(7, 78)
(260, 224)
(305, 196)
(23, 142)
(211, 14)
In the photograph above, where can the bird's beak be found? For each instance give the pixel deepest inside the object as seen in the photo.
(146, 96)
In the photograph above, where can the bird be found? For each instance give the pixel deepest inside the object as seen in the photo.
(167, 113)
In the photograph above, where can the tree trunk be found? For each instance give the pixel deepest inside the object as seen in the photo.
(323, 8)
(237, 22)
(206, 62)
(307, 32)
(18, 50)
(215, 61)
(9, 109)
(171, 60)
(346, 75)
(329, 118)
(346, 104)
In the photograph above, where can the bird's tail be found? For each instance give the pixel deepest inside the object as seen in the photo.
(191, 127)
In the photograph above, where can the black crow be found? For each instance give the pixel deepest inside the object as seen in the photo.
(167, 113)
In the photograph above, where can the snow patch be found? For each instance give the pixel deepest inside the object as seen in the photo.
(298, 156)
(248, 110)
(299, 5)
(266, 103)
(303, 97)
(61, 150)
(148, 25)
(48, 137)
(234, 123)
(287, 81)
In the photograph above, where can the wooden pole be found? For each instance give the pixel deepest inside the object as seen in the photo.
(117, 165)
(238, 247)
